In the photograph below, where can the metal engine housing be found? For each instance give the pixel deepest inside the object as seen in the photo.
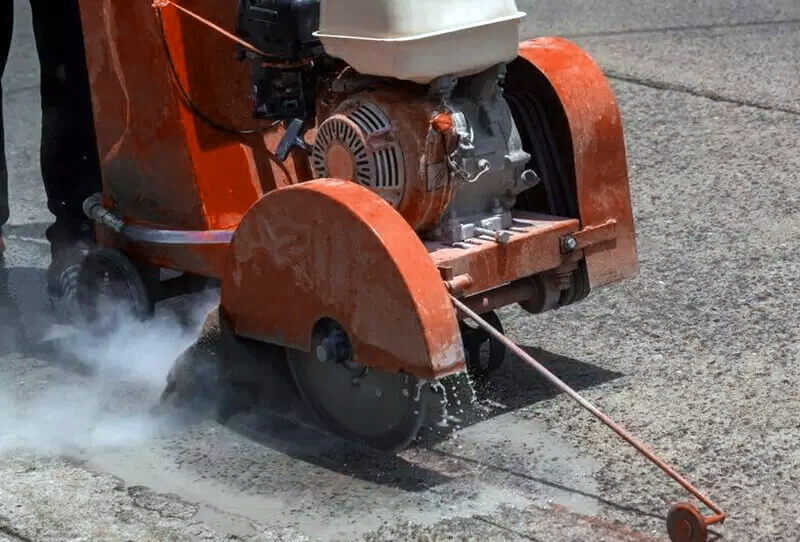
(448, 157)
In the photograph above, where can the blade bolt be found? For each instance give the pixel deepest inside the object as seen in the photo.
(334, 348)
(322, 353)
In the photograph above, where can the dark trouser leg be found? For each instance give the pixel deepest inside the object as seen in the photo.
(6, 27)
(9, 316)
(70, 163)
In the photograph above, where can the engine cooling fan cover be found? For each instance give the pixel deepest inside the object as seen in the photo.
(357, 145)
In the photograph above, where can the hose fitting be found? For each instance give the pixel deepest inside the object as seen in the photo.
(93, 208)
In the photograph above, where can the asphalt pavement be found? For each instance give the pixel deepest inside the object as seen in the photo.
(698, 355)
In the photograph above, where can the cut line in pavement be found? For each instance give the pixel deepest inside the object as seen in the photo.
(661, 85)
(683, 28)
(518, 534)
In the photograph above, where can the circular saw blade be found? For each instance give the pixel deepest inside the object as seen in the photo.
(383, 410)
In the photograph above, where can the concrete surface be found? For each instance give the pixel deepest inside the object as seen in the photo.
(698, 355)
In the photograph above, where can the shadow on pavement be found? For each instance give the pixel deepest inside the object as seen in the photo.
(282, 422)
(21, 308)
(257, 398)
(274, 415)
(517, 385)
(26, 319)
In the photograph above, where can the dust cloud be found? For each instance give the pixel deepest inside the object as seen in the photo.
(91, 393)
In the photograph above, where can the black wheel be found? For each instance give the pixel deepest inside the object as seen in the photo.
(111, 289)
(685, 523)
(381, 409)
(484, 354)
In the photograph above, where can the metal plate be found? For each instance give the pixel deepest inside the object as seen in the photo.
(333, 249)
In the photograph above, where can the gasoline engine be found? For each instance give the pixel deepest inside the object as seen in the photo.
(441, 147)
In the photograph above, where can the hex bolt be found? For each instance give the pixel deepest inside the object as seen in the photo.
(530, 178)
(322, 352)
(501, 237)
(569, 243)
(334, 348)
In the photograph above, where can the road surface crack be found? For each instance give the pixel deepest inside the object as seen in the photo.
(710, 95)
(677, 28)
(516, 533)
(8, 530)
(165, 505)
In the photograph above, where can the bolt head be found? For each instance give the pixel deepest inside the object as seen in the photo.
(570, 243)
(530, 178)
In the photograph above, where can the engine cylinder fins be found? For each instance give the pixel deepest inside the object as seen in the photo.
(352, 146)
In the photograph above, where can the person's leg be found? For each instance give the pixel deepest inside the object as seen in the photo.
(69, 157)
(6, 30)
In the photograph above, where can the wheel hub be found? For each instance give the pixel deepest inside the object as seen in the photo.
(686, 524)
(334, 348)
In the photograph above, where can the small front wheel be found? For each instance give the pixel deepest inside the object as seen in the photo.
(685, 523)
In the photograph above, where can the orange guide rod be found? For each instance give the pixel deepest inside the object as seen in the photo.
(561, 385)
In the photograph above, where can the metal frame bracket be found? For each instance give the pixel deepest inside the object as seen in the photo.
(589, 236)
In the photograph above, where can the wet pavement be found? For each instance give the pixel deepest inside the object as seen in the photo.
(698, 355)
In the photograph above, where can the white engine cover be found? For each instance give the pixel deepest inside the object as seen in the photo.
(420, 40)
